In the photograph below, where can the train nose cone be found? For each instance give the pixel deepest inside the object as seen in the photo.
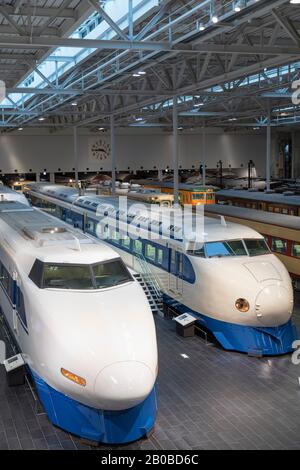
(274, 306)
(123, 385)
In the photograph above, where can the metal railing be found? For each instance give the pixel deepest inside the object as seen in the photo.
(150, 279)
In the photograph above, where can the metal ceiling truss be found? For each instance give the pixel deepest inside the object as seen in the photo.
(180, 50)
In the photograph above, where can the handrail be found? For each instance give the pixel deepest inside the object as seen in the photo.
(148, 276)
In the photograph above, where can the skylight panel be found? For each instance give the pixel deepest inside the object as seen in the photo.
(63, 58)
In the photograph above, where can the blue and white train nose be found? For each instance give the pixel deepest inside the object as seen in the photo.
(274, 305)
(123, 385)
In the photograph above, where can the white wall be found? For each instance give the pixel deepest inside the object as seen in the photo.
(39, 151)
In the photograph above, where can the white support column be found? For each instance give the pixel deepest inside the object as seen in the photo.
(204, 155)
(175, 150)
(113, 154)
(38, 177)
(160, 174)
(75, 136)
(268, 159)
(52, 178)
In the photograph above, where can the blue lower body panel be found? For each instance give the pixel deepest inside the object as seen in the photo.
(107, 427)
(232, 337)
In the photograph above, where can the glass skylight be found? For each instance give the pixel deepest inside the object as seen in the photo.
(64, 58)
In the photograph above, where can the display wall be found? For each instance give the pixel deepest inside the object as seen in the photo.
(139, 150)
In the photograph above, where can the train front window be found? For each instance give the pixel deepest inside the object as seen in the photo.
(79, 277)
(257, 247)
(225, 248)
(109, 274)
(67, 277)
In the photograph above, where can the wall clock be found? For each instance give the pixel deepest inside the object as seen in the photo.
(101, 150)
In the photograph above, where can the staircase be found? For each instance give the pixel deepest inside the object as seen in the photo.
(154, 297)
(150, 285)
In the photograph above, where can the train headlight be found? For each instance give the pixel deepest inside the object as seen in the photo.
(242, 305)
(73, 377)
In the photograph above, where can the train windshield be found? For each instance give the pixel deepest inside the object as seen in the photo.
(110, 274)
(225, 248)
(80, 277)
(67, 277)
(257, 247)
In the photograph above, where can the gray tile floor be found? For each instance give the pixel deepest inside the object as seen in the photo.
(212, 400)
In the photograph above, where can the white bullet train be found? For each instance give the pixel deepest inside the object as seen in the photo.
(66, 300)
(233, 284)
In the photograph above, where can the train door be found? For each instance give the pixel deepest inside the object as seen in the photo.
(13, 289)
(179, 278)
(176, 272)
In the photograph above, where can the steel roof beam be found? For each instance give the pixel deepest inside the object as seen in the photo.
(73, 92)
(42, 12)
(40, 42)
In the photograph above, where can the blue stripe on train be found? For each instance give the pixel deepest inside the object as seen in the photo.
(107, 427)
(267, 341)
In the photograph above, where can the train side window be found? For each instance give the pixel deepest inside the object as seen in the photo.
(21, 307)
(115, 236)
(198, 196)
(160, 256)
(5, 278)
(150, 252)
(279, 245)
(138, 247)
(36, 273)
(296, 250)
(126, 241)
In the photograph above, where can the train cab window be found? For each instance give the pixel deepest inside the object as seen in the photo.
(110, 274)
(225, 248)
(199, 252)
(296, 250)
(257, 247)
(138, 247)
(80, 277)
(279, 245)
(67, 277)
(36, 273)
(150, 252)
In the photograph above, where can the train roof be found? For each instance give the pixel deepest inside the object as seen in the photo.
(31, 233)
(185, 186)
(213, 230)
(260, 196)
(282, 220)
(7, 194)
